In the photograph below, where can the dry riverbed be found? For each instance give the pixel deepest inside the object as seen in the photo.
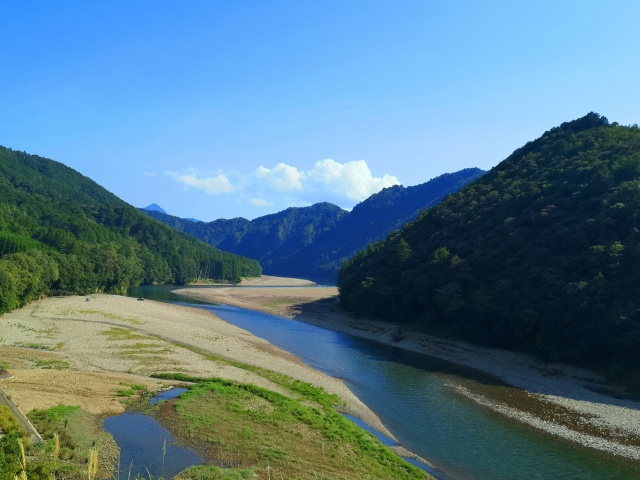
(82, 351)
(564, 401)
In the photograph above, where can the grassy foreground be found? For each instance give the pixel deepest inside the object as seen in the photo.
(240, 425)
(244, 431)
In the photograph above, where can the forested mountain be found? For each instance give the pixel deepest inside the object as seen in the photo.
(541, 254)
(62, 233)
(312, 242)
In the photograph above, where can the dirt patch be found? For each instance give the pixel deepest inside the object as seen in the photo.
(93, 392)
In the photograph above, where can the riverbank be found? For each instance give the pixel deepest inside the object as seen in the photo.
(84, 351)
(564, 401)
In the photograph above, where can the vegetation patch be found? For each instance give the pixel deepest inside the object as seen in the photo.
(211, 472)
(119, 333)
(282, 302)
(132, 389)
(8, 423)
(244, 426)
(72, 439)
(113, 316)
(38, 332)
(53, 364)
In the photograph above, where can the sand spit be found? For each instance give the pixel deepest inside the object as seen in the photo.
(572, 403)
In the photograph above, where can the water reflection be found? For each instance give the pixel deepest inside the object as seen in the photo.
(142, 445)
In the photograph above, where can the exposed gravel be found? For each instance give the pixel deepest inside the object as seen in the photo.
(613, 424)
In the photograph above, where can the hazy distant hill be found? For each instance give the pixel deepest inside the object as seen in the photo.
(312, 242)
(60, 232)
(541, 254)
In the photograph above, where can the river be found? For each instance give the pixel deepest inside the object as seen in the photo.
(411, 393)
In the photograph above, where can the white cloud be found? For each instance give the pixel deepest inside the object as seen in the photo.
(285, 185)
(261, 202)
(352, 179)
(212, 185)
(283, 177)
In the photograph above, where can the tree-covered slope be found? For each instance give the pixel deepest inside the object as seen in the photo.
(541, 254)
(271, 239)
(372, 220)
(313, 242)
(60, 232)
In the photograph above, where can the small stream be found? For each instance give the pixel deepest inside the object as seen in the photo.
(143, 450)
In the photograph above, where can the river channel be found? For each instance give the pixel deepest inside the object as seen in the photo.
(412, 395)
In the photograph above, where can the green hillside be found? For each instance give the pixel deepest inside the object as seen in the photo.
(541, 254)
(61, 233)
(313, 242)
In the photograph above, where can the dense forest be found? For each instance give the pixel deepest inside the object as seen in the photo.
(541, 254)
(312, 242)
(61, 233)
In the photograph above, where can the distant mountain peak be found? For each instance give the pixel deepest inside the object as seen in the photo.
(154, 207)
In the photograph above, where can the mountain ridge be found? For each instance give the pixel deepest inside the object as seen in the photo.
(312, 242)
(62, 233)
(540, 255)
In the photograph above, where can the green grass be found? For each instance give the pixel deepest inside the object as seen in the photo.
(53, 364)
(132, 389)
(78, 432)
(113, 316)
(8, 423)
(248, 426)
(53, 414)
(282, 302)
(119, 333)
(211, 472)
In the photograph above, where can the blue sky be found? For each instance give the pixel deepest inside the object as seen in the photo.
(219, 109)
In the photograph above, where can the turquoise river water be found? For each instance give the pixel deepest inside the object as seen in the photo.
(410, 393)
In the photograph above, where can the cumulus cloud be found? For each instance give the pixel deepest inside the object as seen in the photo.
(353, 180)
(283, 177)
(212, 185)
(261, 202)
(285, 185)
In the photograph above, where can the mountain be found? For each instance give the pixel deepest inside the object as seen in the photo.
(271, 239)
(541, 254)
(62, 233)
(154, 207)
(312, 242)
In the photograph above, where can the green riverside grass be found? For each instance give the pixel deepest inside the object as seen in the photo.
(250, 432)
(243, 431)
(303, 437)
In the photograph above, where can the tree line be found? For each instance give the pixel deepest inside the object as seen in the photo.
(61, 233)
(541, 254)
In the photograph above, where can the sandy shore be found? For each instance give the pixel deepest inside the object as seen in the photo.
(572, 403)
(81, 350)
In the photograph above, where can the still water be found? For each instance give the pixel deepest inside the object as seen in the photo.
(410, 393)
(146, 447)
